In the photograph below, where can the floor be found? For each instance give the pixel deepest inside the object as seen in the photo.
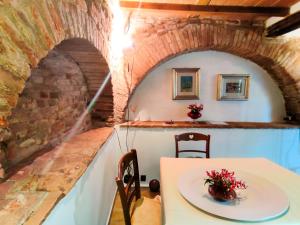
(116, 217)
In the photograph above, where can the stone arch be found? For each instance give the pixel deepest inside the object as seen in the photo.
(95, 69)
(279, 57)
(30, 30)
(55, 96)
(53, 99)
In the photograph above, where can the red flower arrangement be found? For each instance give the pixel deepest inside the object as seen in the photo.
(195, 111)
(222, 185)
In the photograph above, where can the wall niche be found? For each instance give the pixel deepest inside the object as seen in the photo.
(54, 97)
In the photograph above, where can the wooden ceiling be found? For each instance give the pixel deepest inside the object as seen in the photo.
(264, 8)
(257, 3)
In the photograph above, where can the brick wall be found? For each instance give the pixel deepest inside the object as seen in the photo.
(158, 39)
(94, 68)
(29, 31)
(54, 97)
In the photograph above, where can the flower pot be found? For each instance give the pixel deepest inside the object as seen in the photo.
(220, 195)
(194, 116)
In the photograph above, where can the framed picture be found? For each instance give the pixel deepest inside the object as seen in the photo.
(185, 83)
(233, 87)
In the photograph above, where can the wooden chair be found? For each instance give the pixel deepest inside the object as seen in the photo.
(192, 137)
(144, 211)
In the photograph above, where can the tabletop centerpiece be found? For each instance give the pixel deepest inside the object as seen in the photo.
(195, 111)
(222, 185)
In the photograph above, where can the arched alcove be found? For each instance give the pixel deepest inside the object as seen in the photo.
(158, 42)
(153, 98)
(28, 33)
(56, 94)
(95, 69)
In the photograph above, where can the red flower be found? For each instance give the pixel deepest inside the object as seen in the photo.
(224, 180)
(195, 111)
(195, 108)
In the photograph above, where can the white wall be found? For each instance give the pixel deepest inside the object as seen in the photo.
(90, 200)
(281, 146)
(152, 100)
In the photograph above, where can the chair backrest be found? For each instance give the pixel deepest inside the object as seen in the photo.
(192, 137)
(130, 186)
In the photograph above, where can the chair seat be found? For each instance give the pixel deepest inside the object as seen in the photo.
(146, 212)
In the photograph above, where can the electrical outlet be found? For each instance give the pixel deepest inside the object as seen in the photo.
(143, 177)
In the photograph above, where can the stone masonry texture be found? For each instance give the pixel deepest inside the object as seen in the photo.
(29, 30)
(53, 99)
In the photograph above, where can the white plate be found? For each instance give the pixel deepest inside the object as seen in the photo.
(262, 200)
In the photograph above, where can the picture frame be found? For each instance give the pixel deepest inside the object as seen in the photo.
(186, 83)
(233, 87)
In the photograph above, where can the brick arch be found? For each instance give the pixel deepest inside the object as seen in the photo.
(94, 68)
(278, 57)
(29, 31)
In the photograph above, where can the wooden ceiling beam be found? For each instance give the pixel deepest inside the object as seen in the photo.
(267, 11)
(284, 26)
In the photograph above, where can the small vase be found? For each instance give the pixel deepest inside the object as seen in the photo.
(219, 195)
(194, 116)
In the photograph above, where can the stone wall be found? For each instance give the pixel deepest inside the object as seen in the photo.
(30, 30)
(102, 114)
(53, 99)
(95, 69)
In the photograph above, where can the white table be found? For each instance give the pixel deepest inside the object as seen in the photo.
(177, 211)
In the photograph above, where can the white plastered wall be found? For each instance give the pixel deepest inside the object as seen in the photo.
(152, 99)
(281, 146)
(91, 199)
